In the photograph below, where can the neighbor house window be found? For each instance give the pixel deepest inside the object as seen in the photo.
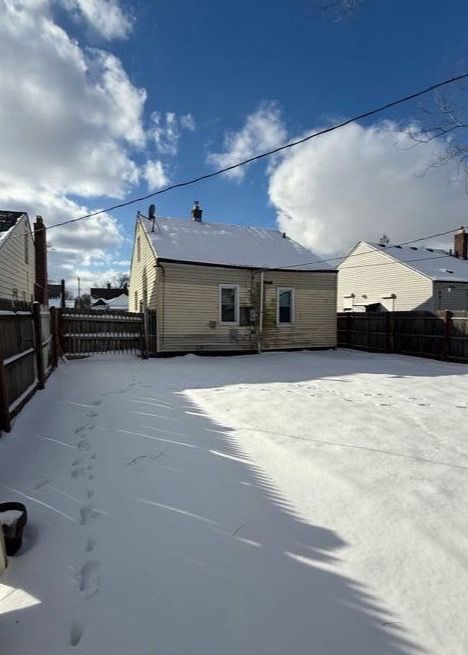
(26, 249)
(229, 304)
(14, 293)
(138, 249)
(285, 306)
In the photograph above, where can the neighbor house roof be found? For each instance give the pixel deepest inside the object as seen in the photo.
(119, 302)
(437, 264)
(228, 245)
(8, 220)
(106, 293)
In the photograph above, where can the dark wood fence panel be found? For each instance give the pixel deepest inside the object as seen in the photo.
(84, 332)
(442, 335)
(25, 344)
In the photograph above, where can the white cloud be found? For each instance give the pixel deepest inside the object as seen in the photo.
(68, 117)
(358, 182)
(166, 130)
(154, 174)
(262, 130)
(70, 123)
(104, 16)
(87, 243)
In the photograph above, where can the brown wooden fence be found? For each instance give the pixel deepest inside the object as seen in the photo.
(26, 355)
(441, 335)
(84, 332)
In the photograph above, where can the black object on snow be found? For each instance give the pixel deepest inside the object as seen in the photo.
(13, 532)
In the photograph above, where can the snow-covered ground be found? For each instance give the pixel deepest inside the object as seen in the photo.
(281, 504)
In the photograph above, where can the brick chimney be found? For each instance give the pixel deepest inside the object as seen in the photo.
(461, 244)
(197, 212)
(40, 256)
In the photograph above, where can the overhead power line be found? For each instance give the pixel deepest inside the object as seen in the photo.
(387, 247)
(268, 153)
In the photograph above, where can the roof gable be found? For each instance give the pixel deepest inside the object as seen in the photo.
(228, 245)
(106, 294)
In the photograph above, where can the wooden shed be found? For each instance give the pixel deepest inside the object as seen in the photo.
(218, 287)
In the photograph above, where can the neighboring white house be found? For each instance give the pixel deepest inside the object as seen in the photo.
(389, 277)
(218, 287)
(17, 257)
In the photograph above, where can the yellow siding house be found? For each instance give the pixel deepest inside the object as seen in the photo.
(218, 287)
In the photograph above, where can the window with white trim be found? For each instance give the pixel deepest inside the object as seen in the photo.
(284, 306)
(229, 304)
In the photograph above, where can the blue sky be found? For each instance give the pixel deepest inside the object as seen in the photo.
(217, 68)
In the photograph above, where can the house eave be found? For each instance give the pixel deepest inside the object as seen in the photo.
(166, 260)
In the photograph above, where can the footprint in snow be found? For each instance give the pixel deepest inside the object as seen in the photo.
(76, 633)
(88, 578)
(90, 544)
(88, 514)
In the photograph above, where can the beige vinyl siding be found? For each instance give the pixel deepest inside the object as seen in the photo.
(455, 299)
(15, 273)
(314, 324)
(370, 274)
(142, 273)
(188, 309)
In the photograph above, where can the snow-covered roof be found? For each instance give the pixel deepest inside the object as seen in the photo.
(8, 220)
(107, 293)
(433, 262)
(228, 245)
(120, 302)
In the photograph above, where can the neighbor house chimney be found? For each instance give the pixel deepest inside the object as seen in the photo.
(40, 257)
(460, 242)
(197, 212)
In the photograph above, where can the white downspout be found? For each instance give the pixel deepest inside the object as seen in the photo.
(260, 316)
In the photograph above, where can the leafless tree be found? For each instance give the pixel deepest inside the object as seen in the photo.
(339, 10)
(446, 119)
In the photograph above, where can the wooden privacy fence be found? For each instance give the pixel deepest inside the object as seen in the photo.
(441, 335)
(27, 355)
(84, 332)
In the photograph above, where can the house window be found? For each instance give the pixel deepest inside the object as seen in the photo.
(26, 248)
(136, 301)
(14, 293)
(229, 304)
(138, 249)
(285, 306)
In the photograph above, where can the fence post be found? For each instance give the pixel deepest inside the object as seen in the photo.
(145, 344)
(5, 423)
(447, 334)
(36, 313)
(348, 329)
(54, 335)
(389, 331)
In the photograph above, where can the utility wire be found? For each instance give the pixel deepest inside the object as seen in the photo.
(268, 153)
(360, 254)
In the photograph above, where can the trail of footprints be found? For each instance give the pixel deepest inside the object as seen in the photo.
(86, 576)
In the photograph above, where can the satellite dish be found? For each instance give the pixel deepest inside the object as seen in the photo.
(152, 212)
